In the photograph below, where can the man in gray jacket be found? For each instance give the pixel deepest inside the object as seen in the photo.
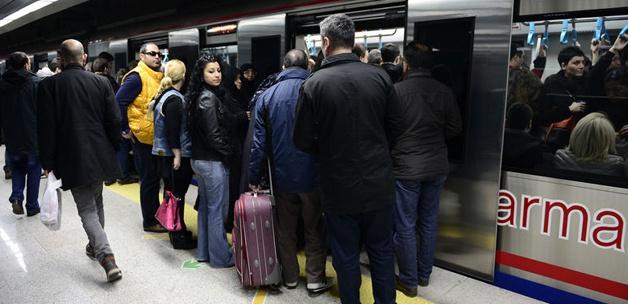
(420, 164)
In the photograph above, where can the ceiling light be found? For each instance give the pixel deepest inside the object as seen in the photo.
(37, 5)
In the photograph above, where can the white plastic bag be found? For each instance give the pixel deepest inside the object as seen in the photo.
(51, 204)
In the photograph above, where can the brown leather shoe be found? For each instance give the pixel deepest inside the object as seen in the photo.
(408, 291)
(17, 207)
(111, 269)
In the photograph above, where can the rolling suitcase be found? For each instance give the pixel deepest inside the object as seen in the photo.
(254, 241)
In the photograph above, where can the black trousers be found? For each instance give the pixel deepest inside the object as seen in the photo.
(346, 234)
(148, 169)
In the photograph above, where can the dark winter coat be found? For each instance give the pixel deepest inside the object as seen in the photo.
(430, 117)
(18, 105)
(293, 170)
(395, 71)
(343, 114)
(78, 127)
(522, 150)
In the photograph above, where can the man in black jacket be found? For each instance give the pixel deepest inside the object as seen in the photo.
(391, 60)
(18, 92)
(78, 128)
(343, 114)
(420, 164)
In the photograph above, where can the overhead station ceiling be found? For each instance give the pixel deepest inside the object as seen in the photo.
(118, 19)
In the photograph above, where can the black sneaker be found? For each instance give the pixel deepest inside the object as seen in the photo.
(157, 228)
(110, 182)
(408, 291)
(128, 180)
(317, 289)
(32, 212)
(111, 269)
(89, 251)
(17, 207)
(424, 282)
(291, 285)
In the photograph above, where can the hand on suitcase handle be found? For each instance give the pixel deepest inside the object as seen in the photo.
(254, 188)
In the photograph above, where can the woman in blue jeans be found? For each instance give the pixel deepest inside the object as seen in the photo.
(211, 129)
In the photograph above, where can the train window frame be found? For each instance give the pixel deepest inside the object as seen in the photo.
(517, 17)
(547, 168)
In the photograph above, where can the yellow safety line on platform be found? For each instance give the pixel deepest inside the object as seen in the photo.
(260, 297)
(132, 193)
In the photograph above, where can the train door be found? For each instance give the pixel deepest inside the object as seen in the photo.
(119, 49)
(376, 24)
(261, 42)
(470, 40)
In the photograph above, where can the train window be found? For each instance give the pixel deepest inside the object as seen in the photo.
(452, 41)
(370, 39)
(567, 100)
(228, 53)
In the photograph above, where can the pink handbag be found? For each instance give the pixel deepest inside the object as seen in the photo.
(168, 213)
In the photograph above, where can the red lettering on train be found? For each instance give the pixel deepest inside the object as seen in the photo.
(606, 228)
(528, 201)
(565, 219)
(615, 230)
(506, 211)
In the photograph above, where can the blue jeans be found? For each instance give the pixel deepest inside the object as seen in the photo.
(416, 200)
(26, 172)
(346, 233)
(213, 191)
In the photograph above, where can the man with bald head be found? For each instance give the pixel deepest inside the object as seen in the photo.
(78, 131)
(138, 88)
(295, 175)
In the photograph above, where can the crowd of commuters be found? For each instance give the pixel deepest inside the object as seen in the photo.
(574, 121)
(357, 151)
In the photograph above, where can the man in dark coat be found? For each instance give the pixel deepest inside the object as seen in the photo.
(18, 92)
(343, 114)
(295, 175)
(391, 59)
(78, 128)
(420, 162)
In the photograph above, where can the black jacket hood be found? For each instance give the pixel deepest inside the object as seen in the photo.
(17, 77)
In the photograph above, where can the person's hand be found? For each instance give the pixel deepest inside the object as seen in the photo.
(254, 188)
(577, 106)
(595, 46)
(176, 163)
(248, 115)
(623, 132)
(542, 53)
(619, 44)
(127, 135)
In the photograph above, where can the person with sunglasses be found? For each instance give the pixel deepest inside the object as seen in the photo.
(138, 88)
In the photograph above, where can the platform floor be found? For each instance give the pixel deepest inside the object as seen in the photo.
(42, 266)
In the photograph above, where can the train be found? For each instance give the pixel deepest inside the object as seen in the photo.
(551, 235)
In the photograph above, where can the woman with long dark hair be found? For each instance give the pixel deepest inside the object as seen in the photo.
(211, 127)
